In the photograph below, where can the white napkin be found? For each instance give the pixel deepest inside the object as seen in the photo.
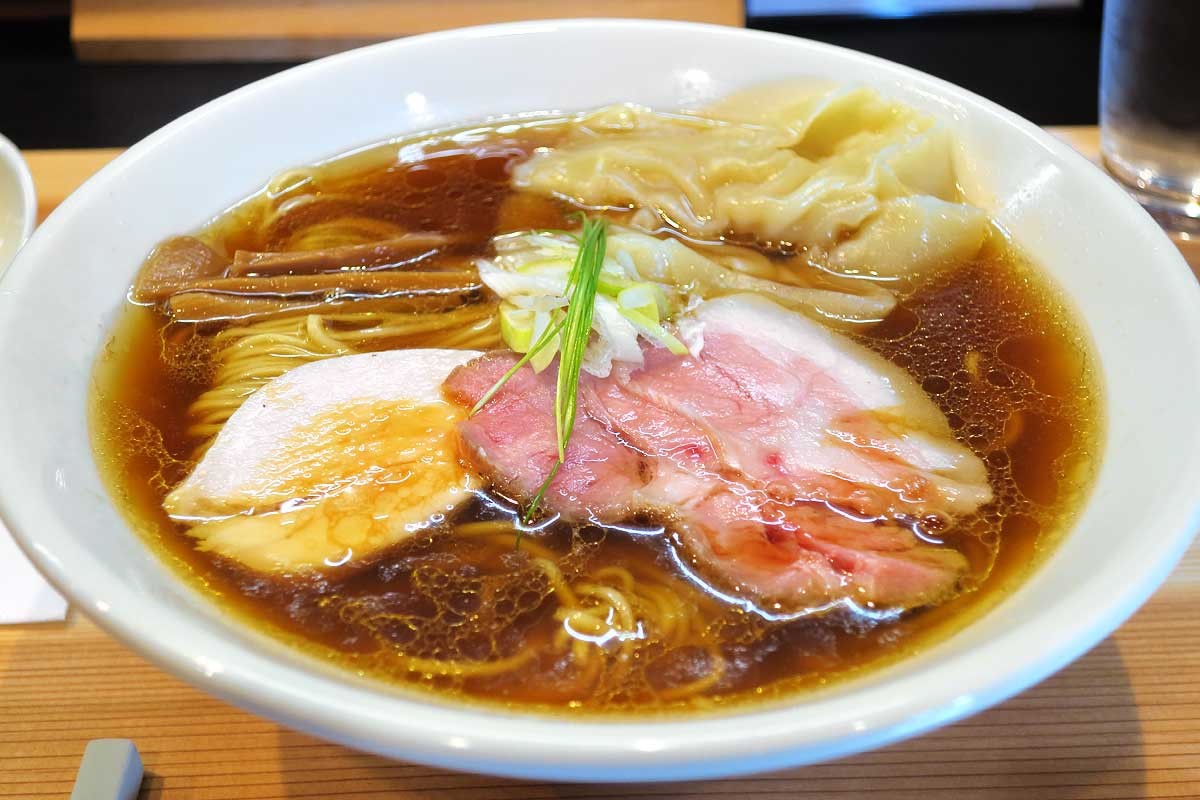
(25, 596)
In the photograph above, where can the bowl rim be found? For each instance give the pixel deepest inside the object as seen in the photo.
(483, 739)
(10, 154)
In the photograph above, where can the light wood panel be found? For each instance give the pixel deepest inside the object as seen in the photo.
(285, 30)
(57, 173)
(1122, 723)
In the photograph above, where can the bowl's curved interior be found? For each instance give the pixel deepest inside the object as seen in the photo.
(18, 203)
(60, 297)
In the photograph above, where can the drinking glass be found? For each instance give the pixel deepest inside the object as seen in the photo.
(1150, 106)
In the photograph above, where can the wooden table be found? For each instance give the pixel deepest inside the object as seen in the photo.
(291, 30)
(1122, 722)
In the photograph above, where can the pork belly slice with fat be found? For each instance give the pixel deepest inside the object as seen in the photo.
(514, 442)
(789, 461)
(806, 411)
(330, 463)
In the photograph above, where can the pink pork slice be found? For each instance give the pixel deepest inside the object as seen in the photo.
(789, 460)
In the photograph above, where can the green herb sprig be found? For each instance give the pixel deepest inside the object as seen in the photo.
(573, 330)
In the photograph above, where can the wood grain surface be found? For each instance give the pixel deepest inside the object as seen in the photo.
(1123, 722)
(286, 30)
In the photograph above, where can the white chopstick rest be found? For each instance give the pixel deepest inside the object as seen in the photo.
(111, 770)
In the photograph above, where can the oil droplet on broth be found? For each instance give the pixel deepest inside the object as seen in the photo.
(1051, 362)
(1041, 443)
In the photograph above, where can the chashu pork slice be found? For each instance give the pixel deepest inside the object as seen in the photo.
(789, 460)
(330, 462)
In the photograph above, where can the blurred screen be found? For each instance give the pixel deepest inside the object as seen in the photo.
(893, 8)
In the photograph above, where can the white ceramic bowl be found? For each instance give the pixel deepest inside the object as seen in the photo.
(60, 297)
(18, 202)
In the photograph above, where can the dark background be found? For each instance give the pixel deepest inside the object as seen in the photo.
(1043, 64)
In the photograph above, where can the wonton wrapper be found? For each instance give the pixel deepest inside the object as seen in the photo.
(911, 236)
(779, 163)
(720, 270)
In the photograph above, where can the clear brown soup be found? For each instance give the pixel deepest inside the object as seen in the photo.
(992, 343)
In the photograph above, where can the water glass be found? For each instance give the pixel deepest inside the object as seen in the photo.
(1150, 106)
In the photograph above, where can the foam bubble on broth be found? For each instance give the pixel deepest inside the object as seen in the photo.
(990, 343)
(1013, 379)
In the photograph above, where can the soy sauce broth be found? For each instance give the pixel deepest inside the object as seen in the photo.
(992, 343)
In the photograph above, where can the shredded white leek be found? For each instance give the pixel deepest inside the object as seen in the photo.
(531, 272)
